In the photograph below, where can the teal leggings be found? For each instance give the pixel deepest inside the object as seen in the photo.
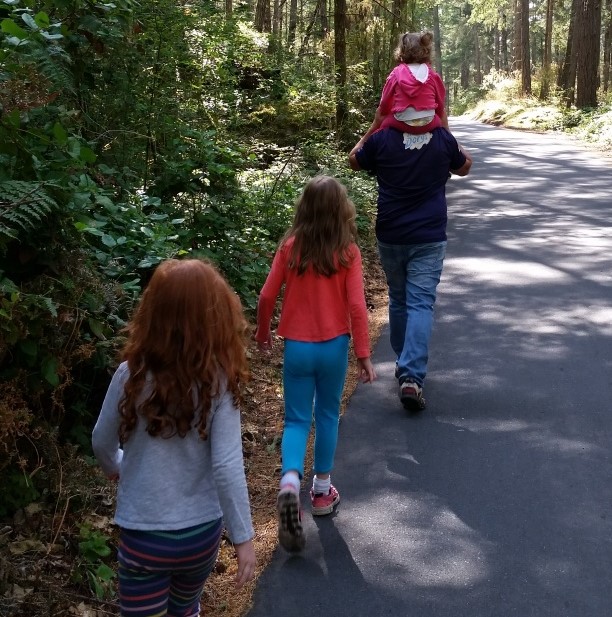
(313, 373)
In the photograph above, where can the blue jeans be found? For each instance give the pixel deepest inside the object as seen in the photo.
(312, 373)
(413, 273)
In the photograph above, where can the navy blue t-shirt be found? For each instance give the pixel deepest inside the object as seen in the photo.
(412, 171)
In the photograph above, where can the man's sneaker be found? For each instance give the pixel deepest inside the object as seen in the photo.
(411, 395)
(290, 531)
(324, 504)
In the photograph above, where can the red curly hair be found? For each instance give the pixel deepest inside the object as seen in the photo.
(186, 342)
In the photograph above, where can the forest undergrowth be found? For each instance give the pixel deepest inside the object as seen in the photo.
(38, 546)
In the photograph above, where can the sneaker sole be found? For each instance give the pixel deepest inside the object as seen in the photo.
(290, 531)
(323, 510)
(413, 404)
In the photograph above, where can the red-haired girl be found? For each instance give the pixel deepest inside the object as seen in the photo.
(169, 431)
(319, 265)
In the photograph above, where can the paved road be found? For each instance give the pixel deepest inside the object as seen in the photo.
(497, 500)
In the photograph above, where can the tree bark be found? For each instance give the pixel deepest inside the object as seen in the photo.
(292, 22)
(567, 75)
(525, 55)
(477, 58)
(310, 26)
(340, 67)
(262, 16)
(505, 64)
(547, 55)
(517, 49)
(437, 41)
(396, 25)
(497, 48)
(588, 27)
(607, 50)
(324, 20)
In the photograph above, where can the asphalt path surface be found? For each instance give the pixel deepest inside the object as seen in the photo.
(496, 500)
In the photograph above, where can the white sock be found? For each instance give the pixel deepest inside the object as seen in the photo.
(291, 479)
(321, 486)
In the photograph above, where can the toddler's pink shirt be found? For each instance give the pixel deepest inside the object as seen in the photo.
(402, 89)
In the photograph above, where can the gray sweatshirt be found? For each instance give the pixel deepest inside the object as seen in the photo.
(175, 483)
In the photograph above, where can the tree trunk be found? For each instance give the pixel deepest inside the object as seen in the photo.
(525, 56)
(292, 22)
(465, 74)
(607, 50)
(517, 49)
(505, 64)
(497, 48)
(546, 59)
(228, 8)
(396, 24)
(477, 58)
(310, 26)
(567, 75)
(377, 53)
(437, 41)
(588, 27)
(324, 21)
(340, 67)
(262, 16)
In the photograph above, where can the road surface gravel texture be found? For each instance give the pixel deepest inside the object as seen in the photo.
(495, 501)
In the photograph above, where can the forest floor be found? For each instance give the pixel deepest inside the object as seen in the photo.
(57, 557)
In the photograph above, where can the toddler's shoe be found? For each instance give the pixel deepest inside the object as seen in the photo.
(324, 504)
(290, 531)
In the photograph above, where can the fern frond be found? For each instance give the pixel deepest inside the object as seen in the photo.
(24, 206)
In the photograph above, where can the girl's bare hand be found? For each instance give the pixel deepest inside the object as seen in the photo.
(367, 374)
(245, 552)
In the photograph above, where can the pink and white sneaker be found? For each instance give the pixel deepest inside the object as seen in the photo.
(324, 504)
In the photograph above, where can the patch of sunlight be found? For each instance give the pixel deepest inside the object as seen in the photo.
(601, 317)
(544, 440)
(467, 379)
(486, 426)
(501, 272)
(533, 435)
(434, 547)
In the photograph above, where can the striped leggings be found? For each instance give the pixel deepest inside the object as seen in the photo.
(162, 573)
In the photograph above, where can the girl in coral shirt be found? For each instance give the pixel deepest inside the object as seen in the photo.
(319, 265)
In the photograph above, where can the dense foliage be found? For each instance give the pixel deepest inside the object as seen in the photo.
(129, 133)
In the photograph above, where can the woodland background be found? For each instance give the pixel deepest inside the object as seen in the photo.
(131, 132)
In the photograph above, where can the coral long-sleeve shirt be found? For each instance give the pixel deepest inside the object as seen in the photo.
(315, 308)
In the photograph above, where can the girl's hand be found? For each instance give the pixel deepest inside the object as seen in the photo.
(245, 552)
(367, 374)
(265, 346)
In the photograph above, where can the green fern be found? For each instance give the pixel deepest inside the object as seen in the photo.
(52, 62)
(24, 207)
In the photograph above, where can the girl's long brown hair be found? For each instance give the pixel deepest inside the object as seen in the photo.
(323, 227)
(185, 340)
